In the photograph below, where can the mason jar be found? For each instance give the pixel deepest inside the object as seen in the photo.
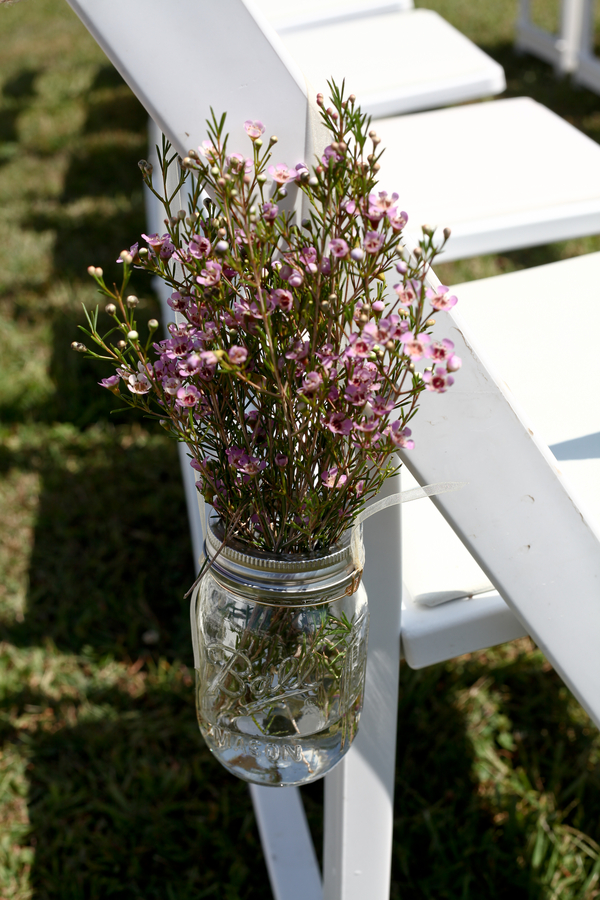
(282, 641)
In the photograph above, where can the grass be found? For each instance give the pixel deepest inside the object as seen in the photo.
(106, 789)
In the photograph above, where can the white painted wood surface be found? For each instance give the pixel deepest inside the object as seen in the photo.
(359, 793)
(517, 514)
(495, 173)
(166, 54)
(397, 62)
(289, 15)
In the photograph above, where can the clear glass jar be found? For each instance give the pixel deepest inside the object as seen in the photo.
(282, 643)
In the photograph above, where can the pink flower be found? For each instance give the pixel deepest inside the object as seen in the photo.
(382, 201)
(283, 299)
(381, 406)
(211, 275)
(269, 211)
(167, 250)
(238, 162)
(177, 302)
(349, 206)
(251, 465)
(311, 383)
(293, 276)
(237, 355)
(438, 380)
(281, 460)
(171, 385)
(373, 242)
(339, 248)
(138, 382)
(199, 247)
(367, 425)
(453, 363)
(111, 382)
(330, 153)
(440, 350)
(156, 241)
(301, 171)
(208, 151)
(331, 478)
(406, 293)
(254, 129)
(338, 423)
(308, 258)
(439, 299)
(281, 174)
(359, 345)
(415, 347)
(397, 220)
(298, 350)
(188, 396)
(400, 436)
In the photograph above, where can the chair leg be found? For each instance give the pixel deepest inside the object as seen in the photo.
(359, 792)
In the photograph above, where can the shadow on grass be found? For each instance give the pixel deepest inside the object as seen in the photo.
(130, 804)
(101, 208)
(17, 92)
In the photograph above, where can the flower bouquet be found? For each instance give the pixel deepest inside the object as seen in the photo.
(292, 373)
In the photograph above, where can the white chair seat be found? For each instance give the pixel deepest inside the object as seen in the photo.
(502, 175)
(288, 15)
(396, 63)
(521, 320)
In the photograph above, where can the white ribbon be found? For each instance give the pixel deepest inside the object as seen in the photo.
(430, 490)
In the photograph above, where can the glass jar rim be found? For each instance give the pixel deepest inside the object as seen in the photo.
(291, 579)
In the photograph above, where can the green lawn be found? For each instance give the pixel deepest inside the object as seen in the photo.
(106, 789)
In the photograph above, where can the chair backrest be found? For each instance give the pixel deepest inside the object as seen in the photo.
(185, 58)
(515, 514)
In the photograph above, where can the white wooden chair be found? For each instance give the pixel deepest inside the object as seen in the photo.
(495, 173)
(396, 62)
(541, 555)
(587, 72)
(561, 50)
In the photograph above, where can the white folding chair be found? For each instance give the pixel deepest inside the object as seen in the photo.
(551, 590)
(519, 318)
(587, 72)
(396, 62)
(562, 49)
(501, 175)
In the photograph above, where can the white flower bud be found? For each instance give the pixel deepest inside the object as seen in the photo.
(121, 345)
(80, 348)
(132, 301)
(98, 272)
(110, 308)
(153, 324)
(92, 270)
(126, 256)
(132, 335)
(447, 232)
